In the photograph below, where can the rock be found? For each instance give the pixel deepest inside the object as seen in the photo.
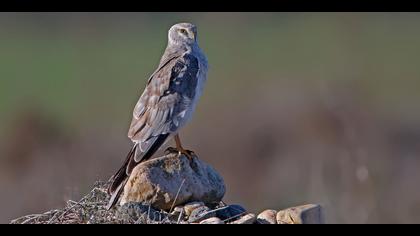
(200, 214)
(246, 219)
(177, 210)
(306, 214)
(135, 211)
(177, 214)
(231, 212)
(213, 221)
(171, 180)
(267, 217)
(189, 207)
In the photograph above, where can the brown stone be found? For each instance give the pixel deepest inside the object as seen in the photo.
(246, 219)
(170, 180)
(306, 214)
(267, 217)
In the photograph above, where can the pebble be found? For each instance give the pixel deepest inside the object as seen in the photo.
(246, 219)
(177, 213)
(200, 214)
(213, 221)
(305, 214)
(134, 211)
(267, 217)
(231, 212)
(189, 207)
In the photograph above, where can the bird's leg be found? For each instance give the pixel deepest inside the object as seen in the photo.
(181, 150)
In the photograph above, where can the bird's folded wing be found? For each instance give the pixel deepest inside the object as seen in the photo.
(165, 100)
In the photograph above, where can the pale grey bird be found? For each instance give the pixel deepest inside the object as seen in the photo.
(167, 103)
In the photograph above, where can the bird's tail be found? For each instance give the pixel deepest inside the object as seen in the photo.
(120, 178)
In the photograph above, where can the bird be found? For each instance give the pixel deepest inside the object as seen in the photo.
(166, 104)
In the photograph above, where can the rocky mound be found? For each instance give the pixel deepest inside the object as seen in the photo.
(170, 190)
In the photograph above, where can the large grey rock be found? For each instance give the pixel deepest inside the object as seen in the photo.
(306, 214)
(170, 180)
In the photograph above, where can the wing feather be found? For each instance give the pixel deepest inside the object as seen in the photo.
(166, 98)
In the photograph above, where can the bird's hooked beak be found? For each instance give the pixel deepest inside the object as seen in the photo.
(192, 35)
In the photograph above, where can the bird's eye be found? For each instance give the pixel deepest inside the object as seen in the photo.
(183, 31)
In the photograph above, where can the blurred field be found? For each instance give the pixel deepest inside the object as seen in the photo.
(299, 107)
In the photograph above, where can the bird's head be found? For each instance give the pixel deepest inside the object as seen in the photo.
(183, 34)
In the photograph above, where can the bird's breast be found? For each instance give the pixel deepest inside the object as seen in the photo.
(201, 81)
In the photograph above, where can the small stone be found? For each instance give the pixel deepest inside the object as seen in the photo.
(173, 180)
(213, 221)
(135, 211)
(246, 219)
(267, 217)
(189, 207)
(183, 222)
(231, 212)
(177, 213)
(178, 209)
(200, 214)
(305, 214)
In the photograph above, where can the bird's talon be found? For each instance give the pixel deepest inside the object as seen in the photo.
(191, 153)
(171, 150)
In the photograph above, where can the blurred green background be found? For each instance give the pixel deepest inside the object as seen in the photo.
(299, 107)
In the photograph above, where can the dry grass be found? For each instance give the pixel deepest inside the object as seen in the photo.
(91, 209)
